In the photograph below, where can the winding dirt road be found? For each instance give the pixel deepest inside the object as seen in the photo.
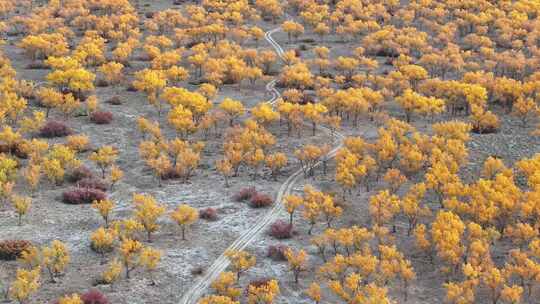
(198, 288)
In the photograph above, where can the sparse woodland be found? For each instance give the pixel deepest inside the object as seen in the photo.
(400, 154)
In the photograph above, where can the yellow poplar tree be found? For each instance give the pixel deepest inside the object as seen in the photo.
(129, 254)
(149, 260)
(297, 262)
(55, 258)
(104, 207)
(22, 205)
(26, 283)
(104, 158)
(292, 203)
(241, 261)
(147, 211)
(224, 285)
(185, 216)
(151, 82)
(102, 241)
(232, 108)
(112, 273)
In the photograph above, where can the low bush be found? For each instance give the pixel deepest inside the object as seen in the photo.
(489, 129)
(54, 129)
(385, 53)
(209, 214)
(260, 200)
(4, 148)
(197, 270)
(131, 88)
(308, 40)
(14, 149)
(37, 66)
(12, 249)
(80, 95)
(79, 173)
(19, 152)
(103, 249)
(281, 230)
(92, 183)
(101, 117)
(94, 296)
(171, 174)
(78, 196)
(277, 252)
(101, 83)
(259, 282)
(245, 194)
(115, 100)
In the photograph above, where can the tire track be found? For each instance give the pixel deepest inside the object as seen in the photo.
(220, 264)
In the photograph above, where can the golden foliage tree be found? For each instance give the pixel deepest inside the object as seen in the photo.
(147, 212)
(185, 216)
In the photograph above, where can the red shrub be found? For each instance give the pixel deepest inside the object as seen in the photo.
(281, 230)
(92, 183)
(80, 196)
(260, 200)
(94, 296)
(82, 172)
(277, 252)
(101, 117)
(209, 214)
(11, 249)
(54, 129)
(245, 194)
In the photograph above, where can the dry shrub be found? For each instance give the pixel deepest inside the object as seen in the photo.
(197, 270)
(101, 117)
(101, 83)
(12, 249)
(115, 100)
(38, 65)
(131, 88)
(260, 282)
